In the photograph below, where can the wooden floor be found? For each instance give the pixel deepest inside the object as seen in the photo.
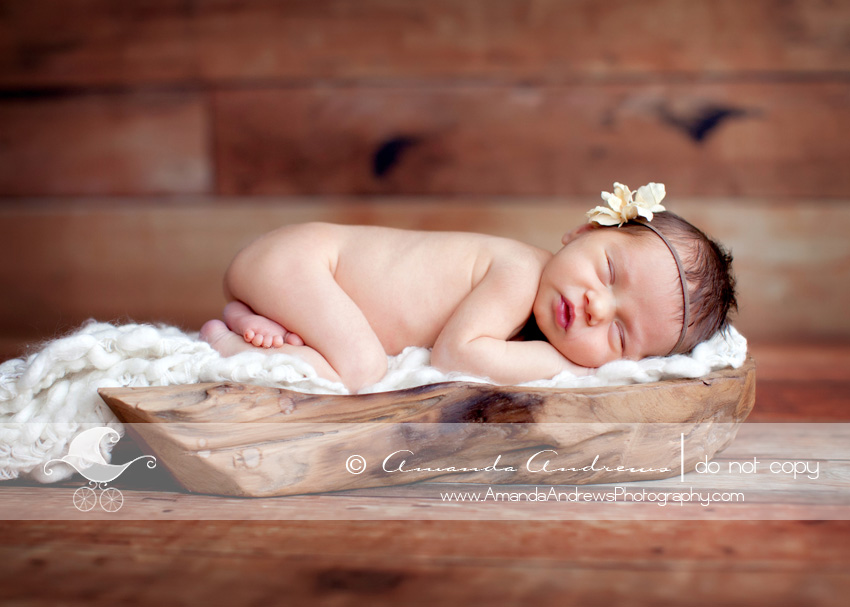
(404, 563)
(464, 562)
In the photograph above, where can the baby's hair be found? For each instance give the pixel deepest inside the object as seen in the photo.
(708, 271)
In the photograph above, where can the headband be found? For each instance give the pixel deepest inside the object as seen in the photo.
(686, 318)
(638, 208)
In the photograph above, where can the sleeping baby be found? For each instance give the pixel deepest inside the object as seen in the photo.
(635, 281)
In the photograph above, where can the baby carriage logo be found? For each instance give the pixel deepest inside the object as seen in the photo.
(85, 457)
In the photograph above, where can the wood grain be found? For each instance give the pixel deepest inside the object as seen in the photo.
(95, 42)
(771, 139)
(766, 139)
(718, 544)
(244, 440)
(141, 143)
(424, 502)
(783, 564)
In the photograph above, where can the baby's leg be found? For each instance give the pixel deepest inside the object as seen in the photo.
(228, 343)
(297, 289)
(257, 330)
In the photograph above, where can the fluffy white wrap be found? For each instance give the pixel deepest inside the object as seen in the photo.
(51, 396)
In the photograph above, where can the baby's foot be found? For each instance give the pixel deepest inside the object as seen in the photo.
(222, 339)
(257, 330)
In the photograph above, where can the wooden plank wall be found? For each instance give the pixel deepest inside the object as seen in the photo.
(143, 142)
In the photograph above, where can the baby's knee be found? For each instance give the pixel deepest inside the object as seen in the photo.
(250, 271)
(235, 278)
(365, 371)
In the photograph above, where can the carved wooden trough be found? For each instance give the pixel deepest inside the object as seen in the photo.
(244, 440)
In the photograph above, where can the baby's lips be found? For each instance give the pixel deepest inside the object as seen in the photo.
(566, 313)
(570, 313)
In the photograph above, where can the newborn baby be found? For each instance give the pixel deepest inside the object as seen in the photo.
(636, 281)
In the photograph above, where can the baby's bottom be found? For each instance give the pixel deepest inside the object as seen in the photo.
(228, 343)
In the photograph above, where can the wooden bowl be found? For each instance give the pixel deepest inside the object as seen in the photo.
(245, 440)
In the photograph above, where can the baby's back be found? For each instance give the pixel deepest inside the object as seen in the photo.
(406, 283)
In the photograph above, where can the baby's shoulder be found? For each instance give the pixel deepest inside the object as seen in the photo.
(513, 253)
(515, 263)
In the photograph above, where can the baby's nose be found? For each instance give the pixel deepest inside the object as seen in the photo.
(599, 306)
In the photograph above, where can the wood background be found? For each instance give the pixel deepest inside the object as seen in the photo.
(143, 142)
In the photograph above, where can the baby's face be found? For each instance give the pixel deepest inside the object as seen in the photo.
(608, 295)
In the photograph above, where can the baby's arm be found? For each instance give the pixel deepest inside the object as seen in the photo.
(475, 340)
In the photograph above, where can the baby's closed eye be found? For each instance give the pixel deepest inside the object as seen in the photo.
(621, 335)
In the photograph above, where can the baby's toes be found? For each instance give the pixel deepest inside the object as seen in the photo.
(294, 340)
(258, 340)
(268, 341)
(277, 342)
(248, 335)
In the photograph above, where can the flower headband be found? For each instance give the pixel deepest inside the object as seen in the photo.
(638, 207)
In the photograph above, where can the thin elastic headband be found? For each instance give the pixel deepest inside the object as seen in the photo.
(687, 314)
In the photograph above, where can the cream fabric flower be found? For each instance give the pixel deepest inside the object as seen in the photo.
(625, 205)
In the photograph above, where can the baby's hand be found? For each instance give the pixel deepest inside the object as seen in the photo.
(258, 330)
(577, 370)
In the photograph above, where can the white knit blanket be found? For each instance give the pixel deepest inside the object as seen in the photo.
(49, 397)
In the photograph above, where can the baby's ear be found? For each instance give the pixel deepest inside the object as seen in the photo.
(573, 234)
